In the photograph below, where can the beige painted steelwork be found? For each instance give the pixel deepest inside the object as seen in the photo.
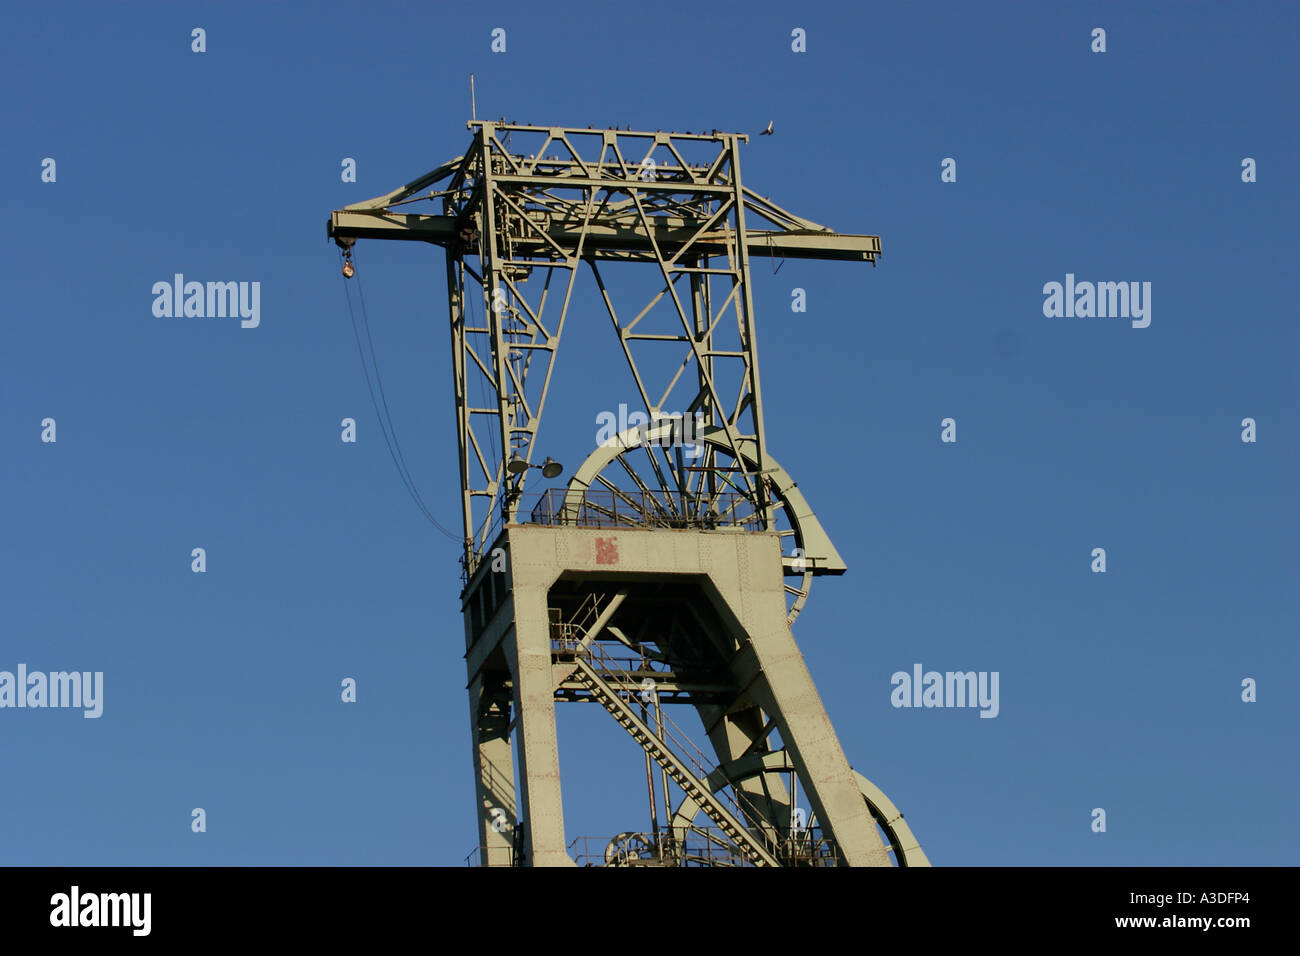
(533, 205)
(658, 575)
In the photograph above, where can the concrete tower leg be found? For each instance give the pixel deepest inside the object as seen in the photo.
(770, 669)
(528, 649)
(489, 699)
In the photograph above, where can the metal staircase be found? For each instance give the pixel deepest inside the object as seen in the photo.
(686, 764)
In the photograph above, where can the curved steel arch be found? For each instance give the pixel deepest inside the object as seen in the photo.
(906, 848)
(815, 552)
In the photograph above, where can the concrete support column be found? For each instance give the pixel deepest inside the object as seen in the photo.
(494, 777)
(529, 652)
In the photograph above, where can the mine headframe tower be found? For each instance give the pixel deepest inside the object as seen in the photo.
(668, 570)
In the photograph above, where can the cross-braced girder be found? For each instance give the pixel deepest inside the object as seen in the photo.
(519, 216)
(522, 213)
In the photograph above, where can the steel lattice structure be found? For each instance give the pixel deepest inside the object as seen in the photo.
(520, 215)
(579, 198)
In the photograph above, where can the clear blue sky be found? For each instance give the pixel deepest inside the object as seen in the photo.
(221, 690)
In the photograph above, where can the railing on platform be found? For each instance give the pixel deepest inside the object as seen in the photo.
(645, 509)
(693, 846)
(495, 856)
(558, 507)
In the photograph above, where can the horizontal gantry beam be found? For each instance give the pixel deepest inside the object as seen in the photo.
(609, 242)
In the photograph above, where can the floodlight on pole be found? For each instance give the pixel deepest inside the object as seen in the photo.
(549, 468)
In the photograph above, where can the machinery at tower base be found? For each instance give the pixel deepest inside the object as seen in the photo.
(664, 575)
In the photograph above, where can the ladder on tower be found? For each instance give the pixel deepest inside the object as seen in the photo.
(688, 769)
